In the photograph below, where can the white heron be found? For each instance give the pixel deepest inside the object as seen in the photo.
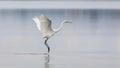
(43, 24)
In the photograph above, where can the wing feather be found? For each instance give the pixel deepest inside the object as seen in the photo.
(44, 25)
(36, 20)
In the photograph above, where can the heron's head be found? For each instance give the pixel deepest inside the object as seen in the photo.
(67, 21)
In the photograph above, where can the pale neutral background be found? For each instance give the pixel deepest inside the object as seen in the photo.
(91, 31)
(59, 0)
(91, 41)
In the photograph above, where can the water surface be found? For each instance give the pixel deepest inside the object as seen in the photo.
(91, 41)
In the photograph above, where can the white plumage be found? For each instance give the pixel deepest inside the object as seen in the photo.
(44, 26)
(37, 22)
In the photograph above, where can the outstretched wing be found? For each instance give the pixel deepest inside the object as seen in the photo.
(36, 20)
(43, 24)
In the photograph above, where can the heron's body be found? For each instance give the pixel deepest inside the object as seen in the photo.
(44, 26)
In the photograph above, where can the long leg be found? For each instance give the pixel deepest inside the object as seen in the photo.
(47, 44)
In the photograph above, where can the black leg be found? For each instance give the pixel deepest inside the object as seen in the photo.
(47, 44)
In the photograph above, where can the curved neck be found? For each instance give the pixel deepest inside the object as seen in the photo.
(60, 27)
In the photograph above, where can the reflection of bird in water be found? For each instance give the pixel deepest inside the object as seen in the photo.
(47, 60)
(44, 25)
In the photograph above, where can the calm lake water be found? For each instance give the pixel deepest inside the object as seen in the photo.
(91, 41)
(59, 0)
